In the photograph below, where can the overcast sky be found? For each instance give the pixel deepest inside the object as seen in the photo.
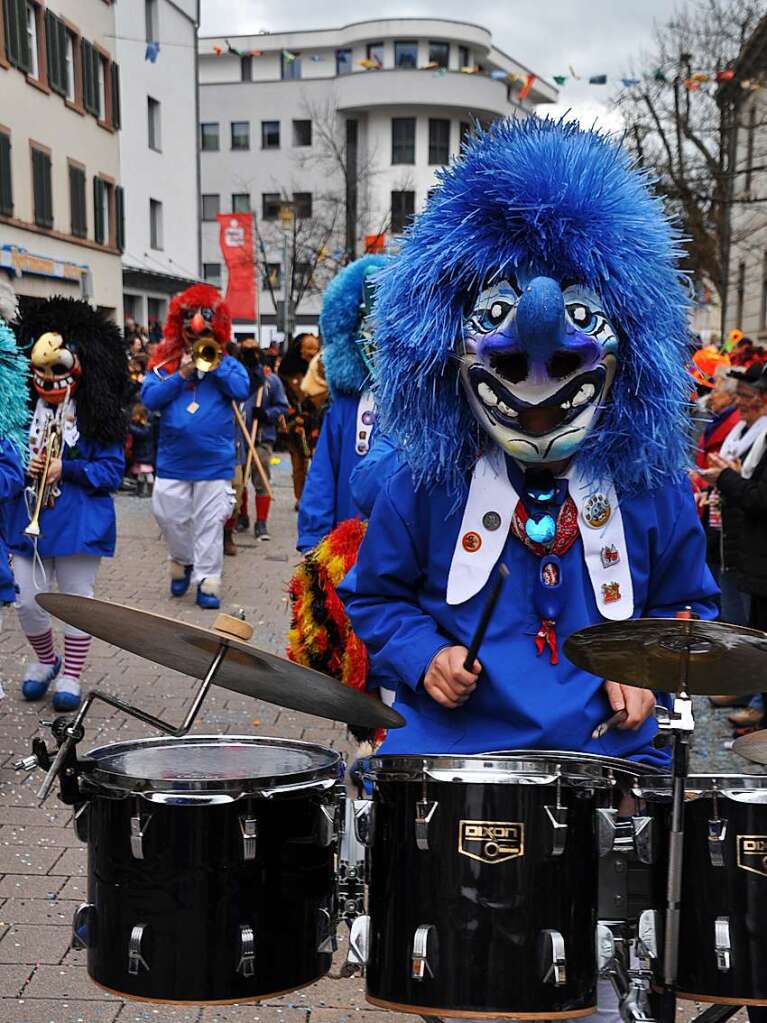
(594, 36)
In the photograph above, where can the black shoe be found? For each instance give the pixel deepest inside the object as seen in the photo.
(243, 524)
(261, 532)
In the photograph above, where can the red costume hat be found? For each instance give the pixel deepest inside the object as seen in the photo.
(214, 314)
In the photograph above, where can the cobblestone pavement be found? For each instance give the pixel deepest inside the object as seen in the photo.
(42, 864)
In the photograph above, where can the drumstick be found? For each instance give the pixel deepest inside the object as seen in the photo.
(251, 448)
(605, 727)
(253, 432)
(484, 621)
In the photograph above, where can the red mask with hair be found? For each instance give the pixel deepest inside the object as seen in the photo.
(198, 312)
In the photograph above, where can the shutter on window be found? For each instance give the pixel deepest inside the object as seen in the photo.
(78, 225)
(120, 216)
(41, 184)
(17, 44)
(90, 78)
(6, 190)
(98, 211)
(47, 190)
(55, 44)
(116, 122)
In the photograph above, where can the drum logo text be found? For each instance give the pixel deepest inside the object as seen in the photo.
(752, 853)
(491, 841)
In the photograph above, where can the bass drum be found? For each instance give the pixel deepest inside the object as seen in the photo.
(483, 885)
(210, 867)
(723, 927)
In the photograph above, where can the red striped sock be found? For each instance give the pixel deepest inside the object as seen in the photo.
(43, 647)
(75, 653)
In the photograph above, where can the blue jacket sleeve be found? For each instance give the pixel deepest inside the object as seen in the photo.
(680, 576)
(11, 472)
(102, 473)
(381, 591)
(159, 389)
(277, 404)
(231, 378)
(317, 508)
(367, 479)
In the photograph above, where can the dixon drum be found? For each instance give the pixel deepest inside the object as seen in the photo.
(483, 882)
(201, 851)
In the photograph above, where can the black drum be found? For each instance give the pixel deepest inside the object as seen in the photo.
(482, 891)
(723, 928)
(210, 867)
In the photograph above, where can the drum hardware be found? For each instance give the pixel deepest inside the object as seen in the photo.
(247, 964)
(351, 862)
(83, 923)
(327, 943)
(327, 825)
(644, 839)
(249, 829)
(135, 957)
(631, 981)
(421, 965)
(557, 818)
(80, 821)
(717, 834)
(607, 823)
(553, 958)
(723, 944)
(359, 947)
(138, 826)
(649, 935)
(424, 811)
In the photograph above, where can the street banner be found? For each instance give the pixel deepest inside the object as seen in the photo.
(236, 240)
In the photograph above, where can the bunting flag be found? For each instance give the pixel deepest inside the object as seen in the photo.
(524, 92)
(255, 53)
(470, 70)
(598, 80)
(152, 52)
(573, 74)
(560, 79)
(628, 82)
(369, 64)
(289, 56)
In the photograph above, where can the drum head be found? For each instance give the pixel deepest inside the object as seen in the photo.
(507, 767)
(211, 763)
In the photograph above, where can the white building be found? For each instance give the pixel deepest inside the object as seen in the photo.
(60, 199)
(348, 124)
(159, 154)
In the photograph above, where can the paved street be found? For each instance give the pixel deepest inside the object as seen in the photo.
(41, 862)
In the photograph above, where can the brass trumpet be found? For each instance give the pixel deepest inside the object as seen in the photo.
(45, 493)
(206, 354)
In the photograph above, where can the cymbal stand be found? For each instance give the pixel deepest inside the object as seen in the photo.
(69, 735)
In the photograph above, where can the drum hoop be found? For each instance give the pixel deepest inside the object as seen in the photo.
(737, 787)
(321, 776)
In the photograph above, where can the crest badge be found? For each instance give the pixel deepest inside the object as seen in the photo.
(491, 841)
(597, 511)
(609, 556)
(752, 854)
(471, 542)
(491, 521)
(611, 593)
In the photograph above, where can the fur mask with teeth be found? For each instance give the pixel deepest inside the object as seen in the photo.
(56, 369)
(537, 359)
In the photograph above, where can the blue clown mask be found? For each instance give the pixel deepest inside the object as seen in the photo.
(537, 360)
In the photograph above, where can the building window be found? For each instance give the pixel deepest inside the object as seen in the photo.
(151, 22)
(439, 140)
(465, 132)
(302, 133)
(270, 134)
(406, 54)
(375, 53)
(403, 140)
(439, 54)
(302, 275)
(56, 39)
(78, 224)
(21, 35)
(246, 69)
(6, 182)
(101, 86)
(209, 137)
(107, 213)
(463, 56)
(344, 61)
(69, 66)
(302, 205)
(290, 64)
(270, 205)
(211, 206)
(240, 134)
(751, 131)
(155, 224)
(42, 189)
(240, 202)
(741, 294)
(402, 209)
(32, 44)
(212, 273)
(90, 61)
(153, 123)
(271, 278)
(156, 311)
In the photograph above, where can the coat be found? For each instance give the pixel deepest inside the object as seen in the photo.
(746, 525)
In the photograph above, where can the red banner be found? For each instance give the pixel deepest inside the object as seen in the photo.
(236, 240)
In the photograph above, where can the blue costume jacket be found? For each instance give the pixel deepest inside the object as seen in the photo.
(274, 403)
(196, 445)
(11, 486)
(395, 597)
(82, 519)
(327, 497)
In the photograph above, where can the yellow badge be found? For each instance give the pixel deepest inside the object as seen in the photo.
(597, 511)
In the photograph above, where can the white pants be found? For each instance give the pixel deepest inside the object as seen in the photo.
(191, 515)
(75, 573)
(607, 1008)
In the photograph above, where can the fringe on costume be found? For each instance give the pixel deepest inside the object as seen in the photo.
(321, 636)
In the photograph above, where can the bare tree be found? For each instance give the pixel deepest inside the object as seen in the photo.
(683, 117)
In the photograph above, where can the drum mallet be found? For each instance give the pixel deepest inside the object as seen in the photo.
(484, 621)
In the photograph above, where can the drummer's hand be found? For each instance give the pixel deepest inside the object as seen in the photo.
(446, 680)
(639, 704)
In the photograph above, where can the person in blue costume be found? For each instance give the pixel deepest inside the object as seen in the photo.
(193, 495)
(347, 427)
(532, 375)
(79, 379)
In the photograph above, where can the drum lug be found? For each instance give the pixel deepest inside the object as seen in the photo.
(247, 964)
(359, 946)
(648, 934)
(326, 825)
(249, 829)
(424, 811)
(80, 821)
(328, 942)
(645, 847)
(137, 831)
(722, 944)
(364, 820)
(717, 833)
(554, 960)
(420, 963)
(557, 817)
(84, 926)
(135, 956)
(605, 948)
(606, 826)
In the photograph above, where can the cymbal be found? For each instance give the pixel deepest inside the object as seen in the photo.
(649, 653)
(753, 747)
(245, 669)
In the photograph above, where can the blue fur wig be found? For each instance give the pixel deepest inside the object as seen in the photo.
(569, 203)
(340, 319)
(14, 379)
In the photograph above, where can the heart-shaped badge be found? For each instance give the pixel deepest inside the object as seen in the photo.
(543, 531)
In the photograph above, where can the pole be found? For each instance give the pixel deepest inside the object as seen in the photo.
(251, 447)
(255, 279)
(253, 432)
